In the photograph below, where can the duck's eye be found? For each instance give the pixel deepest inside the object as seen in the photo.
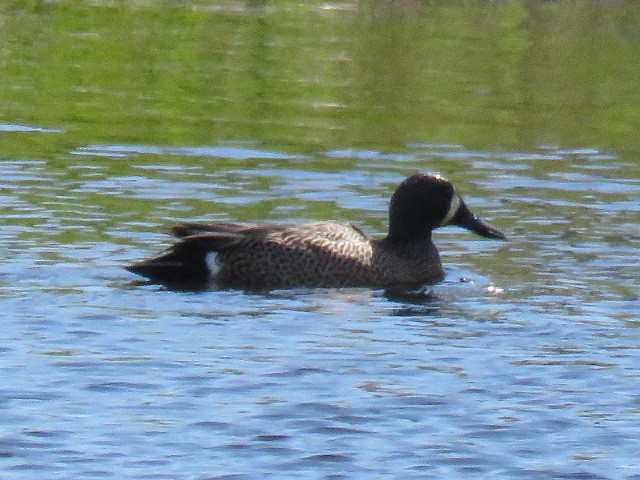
(453, 209)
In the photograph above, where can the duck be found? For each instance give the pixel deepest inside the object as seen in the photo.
(321, 253)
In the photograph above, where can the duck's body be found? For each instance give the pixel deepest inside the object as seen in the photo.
(320, 254)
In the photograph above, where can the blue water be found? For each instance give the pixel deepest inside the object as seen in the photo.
(522, 364)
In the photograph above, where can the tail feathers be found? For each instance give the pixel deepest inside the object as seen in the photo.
(186, 261)
(189, 229)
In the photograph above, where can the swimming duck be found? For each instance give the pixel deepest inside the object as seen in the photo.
(321, 254)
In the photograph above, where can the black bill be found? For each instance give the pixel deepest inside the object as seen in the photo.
(466, 219)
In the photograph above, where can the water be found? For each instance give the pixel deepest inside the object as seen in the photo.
(521, 364)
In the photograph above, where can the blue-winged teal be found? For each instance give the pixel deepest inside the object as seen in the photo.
(321, 254)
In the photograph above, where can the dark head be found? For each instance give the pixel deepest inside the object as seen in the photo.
(422, 203)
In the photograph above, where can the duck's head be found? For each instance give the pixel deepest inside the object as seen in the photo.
(424, 202)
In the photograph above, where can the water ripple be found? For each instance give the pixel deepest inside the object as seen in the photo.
(524, 352)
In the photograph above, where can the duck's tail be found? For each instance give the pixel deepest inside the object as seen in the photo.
(188, 262)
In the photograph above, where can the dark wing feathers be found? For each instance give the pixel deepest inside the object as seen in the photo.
(186, 260)
(188, 229)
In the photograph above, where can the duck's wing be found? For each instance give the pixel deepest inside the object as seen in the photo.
(188, 229)
(325, 230)
(359, 231)
(322, 231)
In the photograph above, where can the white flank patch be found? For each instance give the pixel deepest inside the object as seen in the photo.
(453, 209)
(211, 259)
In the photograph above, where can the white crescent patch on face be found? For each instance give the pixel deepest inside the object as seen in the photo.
(453, 209)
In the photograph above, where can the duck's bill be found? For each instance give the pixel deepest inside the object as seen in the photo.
(466, 219)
